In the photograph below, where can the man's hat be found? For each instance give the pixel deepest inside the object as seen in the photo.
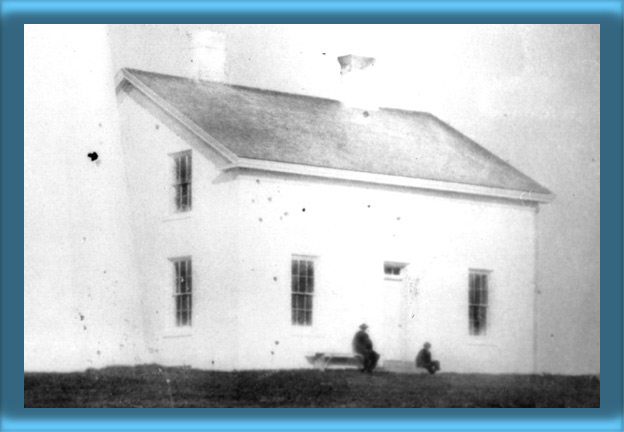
(363, 326)
(427, 345)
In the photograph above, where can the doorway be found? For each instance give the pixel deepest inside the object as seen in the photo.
(395, 310)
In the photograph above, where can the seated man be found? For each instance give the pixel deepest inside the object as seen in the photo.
(423, 360)
(363, 345)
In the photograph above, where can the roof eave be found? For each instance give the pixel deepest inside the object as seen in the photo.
(390, 180)
(124, 78)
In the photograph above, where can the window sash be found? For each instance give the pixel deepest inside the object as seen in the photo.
(478, 302)
(183, 181)
(302, 291)
(183, 293)
(302, 305)
(183, 167)
(477, 318)
(392, 270)
(184, 308)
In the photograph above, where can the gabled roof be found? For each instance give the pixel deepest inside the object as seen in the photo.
(268, 130)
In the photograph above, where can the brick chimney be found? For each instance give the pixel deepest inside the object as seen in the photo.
(360, 84)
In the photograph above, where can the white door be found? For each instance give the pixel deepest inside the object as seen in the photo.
(395, 308)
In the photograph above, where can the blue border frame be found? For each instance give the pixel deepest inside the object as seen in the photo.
(607, 13)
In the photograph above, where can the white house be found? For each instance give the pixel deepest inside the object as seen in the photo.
(268, 226)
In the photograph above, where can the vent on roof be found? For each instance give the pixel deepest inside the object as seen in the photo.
(359, 81)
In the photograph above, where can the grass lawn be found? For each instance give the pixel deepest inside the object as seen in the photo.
(155, 386)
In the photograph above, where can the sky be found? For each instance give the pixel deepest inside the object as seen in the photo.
(528, 93)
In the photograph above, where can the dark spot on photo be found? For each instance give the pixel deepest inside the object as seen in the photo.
(93, 156)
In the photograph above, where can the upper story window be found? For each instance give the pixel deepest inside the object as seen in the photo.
(183, 163)
(478, 302)
(302, 291)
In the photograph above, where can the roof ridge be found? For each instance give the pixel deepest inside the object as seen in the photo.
(236, 86)
(277, 92)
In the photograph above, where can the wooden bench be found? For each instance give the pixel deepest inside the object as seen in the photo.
(326, 359)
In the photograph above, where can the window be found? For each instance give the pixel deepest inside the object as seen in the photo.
(183, 174)
(302, 295)
(393, 270)
(183, 294)
(478, 285)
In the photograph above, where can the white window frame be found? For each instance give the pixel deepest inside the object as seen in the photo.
(182, 289)
(300, 289)
(479, 295)
(180, 180)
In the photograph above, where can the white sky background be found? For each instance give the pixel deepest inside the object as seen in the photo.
(76, 228)
(528, 93)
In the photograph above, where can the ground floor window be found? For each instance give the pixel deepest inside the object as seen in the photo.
(183, 292)
(478, 292)
(302, 290)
